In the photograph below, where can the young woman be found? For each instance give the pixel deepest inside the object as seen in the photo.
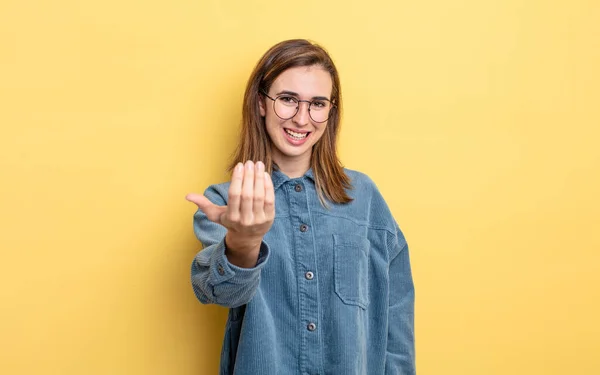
(304, 253)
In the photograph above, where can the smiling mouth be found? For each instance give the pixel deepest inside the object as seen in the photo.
(295, 135)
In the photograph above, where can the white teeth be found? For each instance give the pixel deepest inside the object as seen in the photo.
(296, 135)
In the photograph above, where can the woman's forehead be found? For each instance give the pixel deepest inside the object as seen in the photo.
(306, 81)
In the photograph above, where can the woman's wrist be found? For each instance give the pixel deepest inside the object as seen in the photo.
(242, 251)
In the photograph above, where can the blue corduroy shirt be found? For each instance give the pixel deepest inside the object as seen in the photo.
(332, 291)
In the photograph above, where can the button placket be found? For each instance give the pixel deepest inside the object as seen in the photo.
(307, 284)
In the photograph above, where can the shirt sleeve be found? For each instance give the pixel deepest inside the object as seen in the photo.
(214, 279)
(400, 353)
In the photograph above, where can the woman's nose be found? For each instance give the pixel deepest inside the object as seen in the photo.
(302, 117)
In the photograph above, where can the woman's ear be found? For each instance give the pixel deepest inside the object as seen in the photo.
(261, 105)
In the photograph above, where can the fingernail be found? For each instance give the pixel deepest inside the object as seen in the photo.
(260, 166)
(239, 167)
(249, 165)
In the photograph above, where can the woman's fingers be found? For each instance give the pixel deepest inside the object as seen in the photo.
(259, 191)
(251, 199)
(246, 214)
(235, 192)
(251, 203)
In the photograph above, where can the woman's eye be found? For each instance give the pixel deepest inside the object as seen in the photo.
(288, 99)
(319, 104)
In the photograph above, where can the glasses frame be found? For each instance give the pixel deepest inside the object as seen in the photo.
(310, 103)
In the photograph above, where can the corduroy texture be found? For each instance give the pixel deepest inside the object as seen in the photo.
(352, 314)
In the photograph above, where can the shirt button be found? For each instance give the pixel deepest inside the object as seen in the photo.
(309, 275)
(220, 270)
(303, 228)
(311, 326)
(298, 188)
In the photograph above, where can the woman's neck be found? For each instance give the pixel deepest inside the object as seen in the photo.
(292, 166)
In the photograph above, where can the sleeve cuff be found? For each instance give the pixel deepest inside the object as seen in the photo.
(222, 271)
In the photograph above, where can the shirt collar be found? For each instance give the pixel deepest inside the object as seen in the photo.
(279, 177)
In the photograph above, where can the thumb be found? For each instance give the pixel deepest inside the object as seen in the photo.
(211, 210)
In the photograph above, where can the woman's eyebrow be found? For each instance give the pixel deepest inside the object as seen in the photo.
(291, 93)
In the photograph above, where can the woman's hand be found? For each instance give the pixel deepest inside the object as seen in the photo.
(249, 214)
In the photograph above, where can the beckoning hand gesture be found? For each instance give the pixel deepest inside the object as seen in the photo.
(249, 214)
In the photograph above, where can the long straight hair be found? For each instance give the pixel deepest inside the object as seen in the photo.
(255, 144)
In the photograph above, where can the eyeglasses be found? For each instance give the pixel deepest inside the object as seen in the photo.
(287, 106)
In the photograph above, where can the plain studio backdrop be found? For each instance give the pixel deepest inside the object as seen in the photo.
(478, 120)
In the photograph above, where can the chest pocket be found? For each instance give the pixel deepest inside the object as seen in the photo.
(351, 269)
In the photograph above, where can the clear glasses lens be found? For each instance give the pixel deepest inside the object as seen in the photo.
(286, 107)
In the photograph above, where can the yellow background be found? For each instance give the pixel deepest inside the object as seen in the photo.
(479, 121)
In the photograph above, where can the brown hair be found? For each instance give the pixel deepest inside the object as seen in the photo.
(255, 144)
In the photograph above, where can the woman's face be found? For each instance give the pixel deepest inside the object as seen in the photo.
(293, 139)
